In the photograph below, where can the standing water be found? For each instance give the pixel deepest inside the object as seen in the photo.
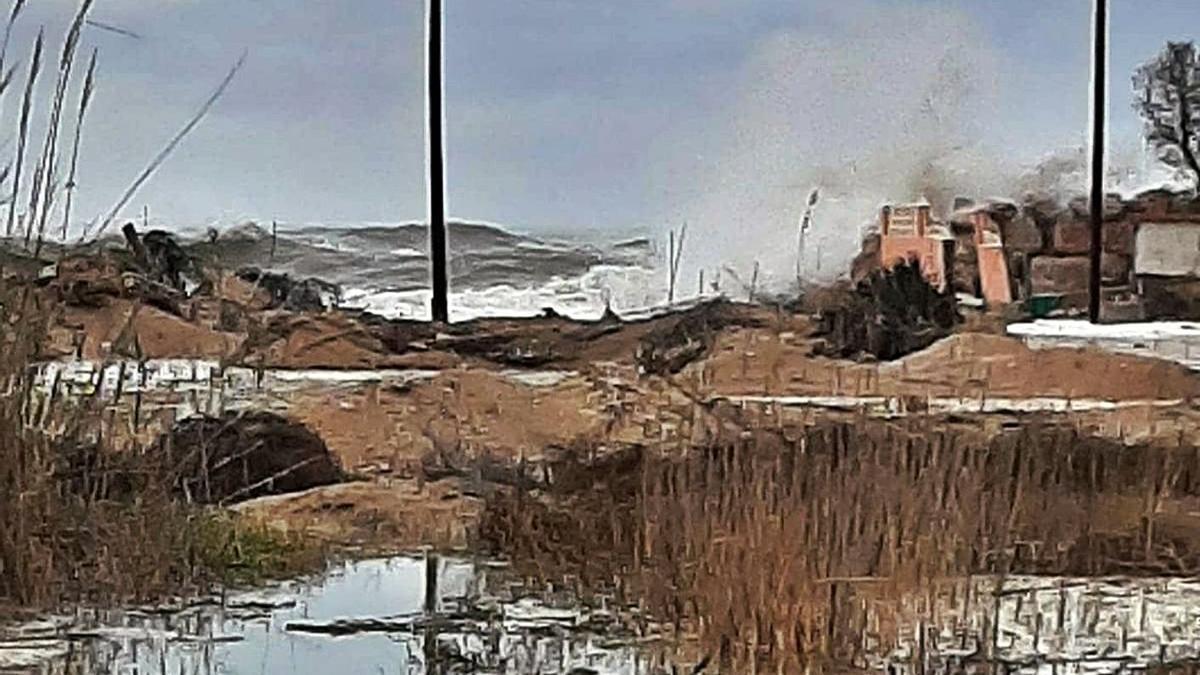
(363, 617)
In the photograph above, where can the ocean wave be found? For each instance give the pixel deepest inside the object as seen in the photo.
(582, 297)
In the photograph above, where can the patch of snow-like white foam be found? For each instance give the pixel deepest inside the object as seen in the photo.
(1068, 328)
(584, 297)
(1177, 341)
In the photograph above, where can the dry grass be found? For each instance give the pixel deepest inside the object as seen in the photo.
(778, 550)
(81, 521)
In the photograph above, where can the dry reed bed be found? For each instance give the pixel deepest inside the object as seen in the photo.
(787, 548)
(82, 521)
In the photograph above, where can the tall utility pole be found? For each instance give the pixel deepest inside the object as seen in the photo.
(440, 306)
(1099, 104)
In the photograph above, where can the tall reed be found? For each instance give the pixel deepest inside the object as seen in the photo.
(782, 548)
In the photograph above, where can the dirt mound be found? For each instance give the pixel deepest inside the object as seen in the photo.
(1000, 366)
(122, 328)
(395, 515)
(317, 340)
(452, 420)
(676, 341)
(241, 456)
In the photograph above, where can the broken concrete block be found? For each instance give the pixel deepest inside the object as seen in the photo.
(1022, 235)
(1050, 275)
(1044, 209)
(1072, 235)
(1114, 269)
(1119, 237)
(1114, 206)
(1066, 275)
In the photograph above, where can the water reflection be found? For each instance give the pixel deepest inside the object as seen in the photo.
(368, 617)
(1040, 625)
(486, 630)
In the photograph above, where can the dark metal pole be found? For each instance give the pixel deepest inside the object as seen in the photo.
(437, 186)
(1099, 102)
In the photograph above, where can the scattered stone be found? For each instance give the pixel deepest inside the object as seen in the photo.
(304, 295)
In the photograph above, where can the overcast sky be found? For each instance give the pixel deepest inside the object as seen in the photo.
(612, 115)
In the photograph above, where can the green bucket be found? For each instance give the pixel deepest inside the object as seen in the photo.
(1040, 306)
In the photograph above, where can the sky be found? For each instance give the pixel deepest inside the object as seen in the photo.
(614, 116)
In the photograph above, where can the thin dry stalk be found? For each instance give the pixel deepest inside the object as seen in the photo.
(23, 132)
(170, 147)
(89, 84)
(674, 256)
(41, 197)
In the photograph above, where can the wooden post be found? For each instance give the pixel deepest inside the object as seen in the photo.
(274, 237)
(671, 268)
(135, 246)
(440, 306)
(1099, 101)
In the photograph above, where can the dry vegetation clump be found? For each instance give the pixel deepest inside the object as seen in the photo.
(84, 521)
(779, 550)
(888, 314)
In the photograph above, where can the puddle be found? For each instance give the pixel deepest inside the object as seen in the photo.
(367, 617)
(1051, 626)
(482, 625)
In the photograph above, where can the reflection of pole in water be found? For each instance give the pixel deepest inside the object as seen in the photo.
(431, 601)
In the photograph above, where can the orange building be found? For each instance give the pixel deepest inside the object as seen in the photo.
(909, 233)
(994, 280)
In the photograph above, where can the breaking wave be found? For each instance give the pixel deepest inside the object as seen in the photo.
(494, 272)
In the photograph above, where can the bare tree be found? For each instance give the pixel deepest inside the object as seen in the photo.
(1168, 99)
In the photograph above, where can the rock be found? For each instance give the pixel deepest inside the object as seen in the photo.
(1152, 204)
(1115, 268)
(1059, 275)
(1022, 234)
(1171, 298)
(1080, 207)
(1044, 210)
(169, 263)
(1072, 235)
(1120, 237)
(240, 456)
(1114, 206)
(304, 295)
(1068, 275)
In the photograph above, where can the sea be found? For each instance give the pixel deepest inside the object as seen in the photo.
(493, 272)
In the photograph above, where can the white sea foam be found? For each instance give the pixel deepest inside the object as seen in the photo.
(584, 297)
